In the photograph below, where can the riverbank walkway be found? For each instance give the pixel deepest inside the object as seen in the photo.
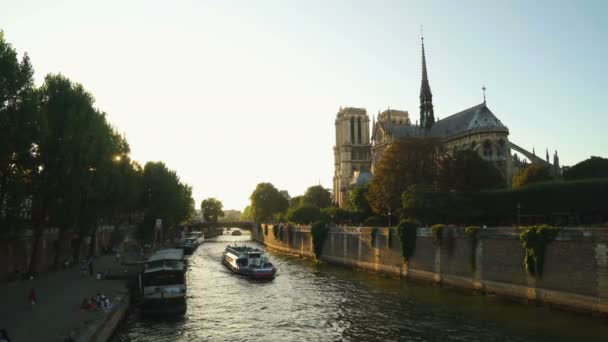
(59, 294)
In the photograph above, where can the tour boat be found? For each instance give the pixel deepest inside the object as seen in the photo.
(162, 283)
(249, 261)
(193, 240)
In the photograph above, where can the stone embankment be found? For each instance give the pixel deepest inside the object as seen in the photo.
(575, 272)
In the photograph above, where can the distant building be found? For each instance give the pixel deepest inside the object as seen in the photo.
(476, 128)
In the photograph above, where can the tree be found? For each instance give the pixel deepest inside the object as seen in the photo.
(20, 130)
(266, 201)
(211, 209)
(247, 215)
(295, 201)
(358, 202)
(317, 196)
(532, 174)
(165, 197)
(466, 171)
(304, 214)
(406, 162)
(594, 167)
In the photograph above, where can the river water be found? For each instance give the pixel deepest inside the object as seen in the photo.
(321, 302)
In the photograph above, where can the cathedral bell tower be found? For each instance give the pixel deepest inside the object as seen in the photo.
(352, 152)
(427, 117)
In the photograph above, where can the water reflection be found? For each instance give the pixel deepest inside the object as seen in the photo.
(311, 302)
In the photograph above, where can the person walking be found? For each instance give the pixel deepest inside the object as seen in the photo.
(90, 264)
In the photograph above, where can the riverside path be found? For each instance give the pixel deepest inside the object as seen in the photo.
(57, 311)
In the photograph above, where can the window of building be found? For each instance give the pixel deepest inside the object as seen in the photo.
(359, 129)
(352, 130)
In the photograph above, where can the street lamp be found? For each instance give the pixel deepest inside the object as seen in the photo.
(389, 218)
(518, 213)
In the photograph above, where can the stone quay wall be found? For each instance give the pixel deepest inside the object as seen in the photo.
(575, 272)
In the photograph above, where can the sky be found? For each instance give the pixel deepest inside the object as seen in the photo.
(233, 93)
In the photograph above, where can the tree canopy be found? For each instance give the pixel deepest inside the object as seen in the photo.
(534, 173)
(405, 162)
(466, 171)
(304, 214)
(63, 165)
(212, 209)
(594, 167)
(266, 201)
(318, 196)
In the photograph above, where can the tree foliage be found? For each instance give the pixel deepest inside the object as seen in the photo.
(266, 201)
(466, 171)
(304, 214)
(358, 202)
(534, 173)
(61, 162)
(212, 209)
(317, 196)
(594, 167)
(406, 162)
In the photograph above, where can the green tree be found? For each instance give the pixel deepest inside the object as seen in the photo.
(466, 171)
(165, 197)
(594, 167)
(212, 209)
(534, 173)
(337, 215)
(317, 196)
(406, 162)
(247, 215)
(358, 202)
(295, 201)
(20, 130)
(266, 201)
(304, 214)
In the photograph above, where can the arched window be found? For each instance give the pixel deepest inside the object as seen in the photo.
(359, 129)
(487, 148)
(352, 130)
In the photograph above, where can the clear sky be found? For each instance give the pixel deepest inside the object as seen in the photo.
(233, 93)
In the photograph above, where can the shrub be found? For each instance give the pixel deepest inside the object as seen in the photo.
(319, 232)
(471, 233)
(437, 233)
(534, 240)
(406, 232)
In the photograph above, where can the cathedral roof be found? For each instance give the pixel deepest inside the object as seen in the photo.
(360, 178)
(478, 117)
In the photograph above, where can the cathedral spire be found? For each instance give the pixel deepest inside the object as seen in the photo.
(427, 117)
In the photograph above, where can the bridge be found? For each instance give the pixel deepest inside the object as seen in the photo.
(238, 224)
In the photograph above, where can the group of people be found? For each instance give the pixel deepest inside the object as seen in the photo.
(99, 301)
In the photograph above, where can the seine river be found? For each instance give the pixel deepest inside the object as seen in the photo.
(320, 302)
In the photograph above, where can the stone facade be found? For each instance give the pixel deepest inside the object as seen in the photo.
(352, 152)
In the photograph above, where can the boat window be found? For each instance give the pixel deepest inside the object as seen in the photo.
(254, 255)
(241, 262)
(162, 278)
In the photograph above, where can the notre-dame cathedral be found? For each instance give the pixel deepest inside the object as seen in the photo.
(475, 128)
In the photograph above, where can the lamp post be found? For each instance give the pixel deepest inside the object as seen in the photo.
(389, 218)
(518, 214)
